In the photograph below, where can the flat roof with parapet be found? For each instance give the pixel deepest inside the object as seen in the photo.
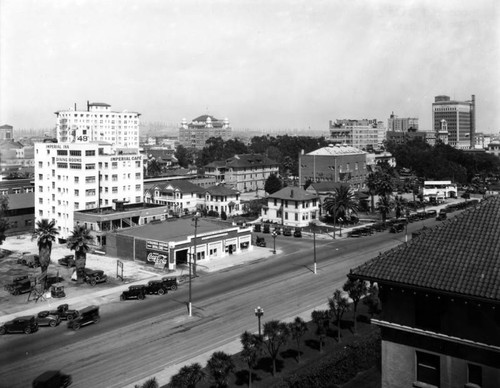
(177, 229)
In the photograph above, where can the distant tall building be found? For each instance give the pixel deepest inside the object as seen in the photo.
(196, 133)
(363, 134)
(403, 124)
(98, 123)
(457, 119)
(6, 132)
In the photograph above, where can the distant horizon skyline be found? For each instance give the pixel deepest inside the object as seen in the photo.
(264, 65)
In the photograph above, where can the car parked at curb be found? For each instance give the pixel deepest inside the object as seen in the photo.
(26, 324)
(297, 233)
(260, 242)
(170, 283)
(64, 312)
(85, 316)
(287, 231)
(94, 276)
(45, 318)
(51, 379)
(67, 261)
(134, 292)
(156, 287)
(396, 228)
(20, 287)
(30, 260)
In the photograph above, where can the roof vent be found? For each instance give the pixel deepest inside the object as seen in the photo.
(291, 193)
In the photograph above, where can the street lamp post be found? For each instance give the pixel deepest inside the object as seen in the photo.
(313, 227)
(259, 312)
(190, 255)
(274, 234)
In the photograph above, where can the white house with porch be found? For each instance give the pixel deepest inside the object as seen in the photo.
(292, 206)
(222, 199)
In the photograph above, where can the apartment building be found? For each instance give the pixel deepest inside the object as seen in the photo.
(81, 176)
(197, 132)
(98, 123)
(363, 134)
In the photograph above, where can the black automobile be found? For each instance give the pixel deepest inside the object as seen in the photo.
(287, 232)
(297, 233)
(64, 312)
(260, 242)
(267, 229)
(156, 287)
(134, 292)
(442, 215)
(94, 276)
(52, 379)
(257, 228)
(25, 325)
(45, 318)
(85, 316)
(396, 228)
(32, 261)
(21, 287)
(68, 261)
(171, 284)
(431, 213)
(277, 230)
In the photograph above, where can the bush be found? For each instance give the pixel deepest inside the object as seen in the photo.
(340, 367)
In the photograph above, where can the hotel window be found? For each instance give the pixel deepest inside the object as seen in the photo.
(75, 166)
(137, 163)
(89, 179)
(77, 205)
(90, 153)
(475, 375)
(428, 368)
(62, 165)
(40, 213)
(90, 166)
(137, 187)
(77, 179)
(40, 177)
(77, 193)
(75, 153)
(90, 192)
(137, 175)
(62, 152)
(40, 164)
(114, 189)
(40, 200)
(114, 177)
(114, 165)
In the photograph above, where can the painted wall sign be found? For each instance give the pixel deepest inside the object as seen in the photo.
(157, 258)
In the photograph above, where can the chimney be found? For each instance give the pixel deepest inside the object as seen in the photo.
(473, 122)
(291, 193)
(75, 106)
(88, 105)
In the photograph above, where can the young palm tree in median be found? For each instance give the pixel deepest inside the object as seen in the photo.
(79, 242)
(45, 233)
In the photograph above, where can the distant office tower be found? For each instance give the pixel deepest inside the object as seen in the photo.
(196, 133)
(98, 123)
(403, 124)
(6, 132)
(362, 134)
(457, 119)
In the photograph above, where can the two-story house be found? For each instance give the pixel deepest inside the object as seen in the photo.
(180, 196)
(440, 295)
(291, 206)
(222, 199)
(243, 172)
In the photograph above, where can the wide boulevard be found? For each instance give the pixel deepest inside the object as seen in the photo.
(136, 339)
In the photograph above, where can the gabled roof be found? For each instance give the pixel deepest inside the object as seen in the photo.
(221, 190)
(244, 160)
(460, 256)
(334, 150)
(184, 186)
(294, 194)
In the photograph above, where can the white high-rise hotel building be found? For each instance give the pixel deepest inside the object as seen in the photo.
(94, 163)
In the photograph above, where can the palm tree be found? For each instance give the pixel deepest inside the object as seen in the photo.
(342, 201)
(80, 241)
(252, 347)
(338, 304)
(298, 329)
(45, 233)
(384, 206)
(153, 167)
(220, 365)
(356, 289)
(321, 318)
(188, 376)
(399, 205)
(371, 183)
(275, 334)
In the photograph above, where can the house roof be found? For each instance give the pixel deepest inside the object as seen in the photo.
(460, 256)
(244, 160)
(334, 150)
(184, 186)
(221, 190)
(293, 193)
(21, 201)
(327, 186)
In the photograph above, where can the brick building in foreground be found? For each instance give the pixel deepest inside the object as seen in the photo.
(440, 297)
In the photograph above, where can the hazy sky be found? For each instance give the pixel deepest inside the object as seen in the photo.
(263, 64)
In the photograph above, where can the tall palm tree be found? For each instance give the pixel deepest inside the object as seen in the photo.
(371, 183)
(298, 329)
(399, 205)
(252, 347)
(45, 233)
(80, 241)
(384, 206)
(341, 202)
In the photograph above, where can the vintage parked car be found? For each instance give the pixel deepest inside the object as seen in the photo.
(396, 228)
(277, 230)
(260, 242)
(297, 233)
(442, 215)
(15, 280)
(51, 379)
(431, 213)
(25, 325)
(45, 318)
(64, 312)
(31, 260)
(287, 231)
(170, 283)
(68, 261)
(267, 229)
(85, 316)
(21, 287)
(156, 287)
(257, 228)
(134, 292)
(94, 276)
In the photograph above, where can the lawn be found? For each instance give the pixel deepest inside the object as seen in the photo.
(334, 354)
